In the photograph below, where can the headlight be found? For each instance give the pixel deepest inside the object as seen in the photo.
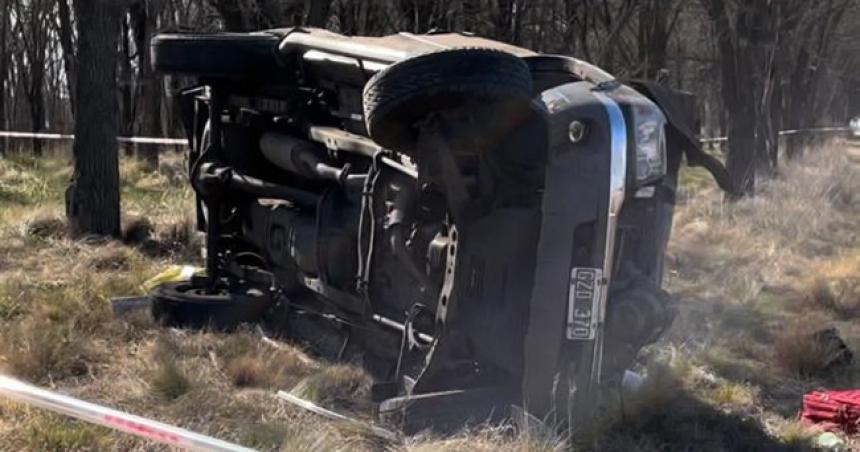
(650, 132)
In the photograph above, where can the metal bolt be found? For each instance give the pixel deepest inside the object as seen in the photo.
(576, 131)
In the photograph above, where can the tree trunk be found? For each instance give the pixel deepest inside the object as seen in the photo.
(144, 21)
(67, 44)
(745, 75)
(231, 13)
(4, 68)
(655, 28)
(35, 39)
(126, 85)
(92, 199)
(317, 12)
(37, 110)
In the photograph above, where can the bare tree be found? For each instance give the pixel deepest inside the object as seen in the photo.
(34, 17)
(93, 199)
(64, 16)
(808, 32)
(741, 31)
(4, 65)
(144, 22)
(657, 21)
(126, 81)
(316, 12)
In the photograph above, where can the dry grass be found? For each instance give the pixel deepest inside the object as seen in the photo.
(49, 432)
(167, 379)
(801, 351)
(503, 438)
(47, 226)
(249, 362)
(729, 376)
(340, 384)
(757, 278)
(835, 286)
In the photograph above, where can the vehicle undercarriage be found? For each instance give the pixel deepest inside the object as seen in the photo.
(477, 225)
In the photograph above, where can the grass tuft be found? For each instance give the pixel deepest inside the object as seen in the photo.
(732, 394)
(796, 434)
(177, 235)
(251, 363)
(47, 226)
(835, 286)
(40, 352)
(301, 438)
(337, 384)
(802, 350)
(49, 432)
(168, 380)
(60, 335)
(137, 231)
(111, 257)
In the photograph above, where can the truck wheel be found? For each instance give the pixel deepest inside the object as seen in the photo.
(216, 55)
(183, 305)
(396, 98)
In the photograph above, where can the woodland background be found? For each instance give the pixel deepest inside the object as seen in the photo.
(757, 66)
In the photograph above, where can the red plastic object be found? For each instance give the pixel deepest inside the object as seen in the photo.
(833, 410)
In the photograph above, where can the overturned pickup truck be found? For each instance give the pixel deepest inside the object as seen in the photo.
(479, 225)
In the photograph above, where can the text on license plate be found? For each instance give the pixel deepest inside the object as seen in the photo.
(583, 303)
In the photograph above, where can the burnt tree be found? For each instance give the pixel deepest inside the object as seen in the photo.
(92, 199)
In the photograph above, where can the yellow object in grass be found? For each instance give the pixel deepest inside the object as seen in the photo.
(173, 273)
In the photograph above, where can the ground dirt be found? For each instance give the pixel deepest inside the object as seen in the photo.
(754, 279)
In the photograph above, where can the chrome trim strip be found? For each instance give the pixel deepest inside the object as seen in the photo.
(617, 189)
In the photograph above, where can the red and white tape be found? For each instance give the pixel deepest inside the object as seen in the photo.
(24, 393)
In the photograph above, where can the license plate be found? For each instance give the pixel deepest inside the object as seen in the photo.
(583, 303)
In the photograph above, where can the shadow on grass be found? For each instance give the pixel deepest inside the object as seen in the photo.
(688, 424)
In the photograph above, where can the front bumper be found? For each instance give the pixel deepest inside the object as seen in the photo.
(583, 196)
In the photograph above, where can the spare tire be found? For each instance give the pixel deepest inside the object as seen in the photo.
(407, 91)
(217, 55)
(183, 305)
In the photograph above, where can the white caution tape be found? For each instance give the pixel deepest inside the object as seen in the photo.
(784, 133)
(817, 129)
(183, 141)
(89, 412)
(65, 136)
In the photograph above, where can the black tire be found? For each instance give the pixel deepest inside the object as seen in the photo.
(217, 55)
(182, 305)
(406, 92)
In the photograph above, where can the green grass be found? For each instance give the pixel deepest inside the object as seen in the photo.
(49, 432)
